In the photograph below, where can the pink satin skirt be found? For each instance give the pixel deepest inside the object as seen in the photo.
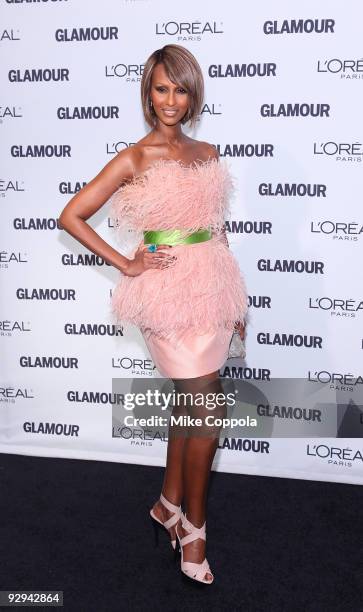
(190, 354)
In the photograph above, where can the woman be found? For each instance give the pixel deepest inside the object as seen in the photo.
(180, 284)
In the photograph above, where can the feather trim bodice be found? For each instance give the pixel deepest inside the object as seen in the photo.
(171, 195)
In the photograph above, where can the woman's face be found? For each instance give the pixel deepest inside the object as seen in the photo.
(170, 101)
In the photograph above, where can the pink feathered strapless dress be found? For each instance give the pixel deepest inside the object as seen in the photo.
(186, 312)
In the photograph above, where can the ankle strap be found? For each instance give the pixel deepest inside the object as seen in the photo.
(195, 532)
(168, 505)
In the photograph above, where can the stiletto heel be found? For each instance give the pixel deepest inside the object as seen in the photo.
(171, 522)
(156, 532)
(176, 552)
(194, 571)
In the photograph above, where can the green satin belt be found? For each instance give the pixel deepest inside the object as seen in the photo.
(175, 237)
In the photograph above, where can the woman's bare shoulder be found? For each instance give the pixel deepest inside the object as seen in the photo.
(210, 150)
(131, 161)
(204, 150)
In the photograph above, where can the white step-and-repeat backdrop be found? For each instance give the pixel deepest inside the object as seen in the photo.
(283, 106)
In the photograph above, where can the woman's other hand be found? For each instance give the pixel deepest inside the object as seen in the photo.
(240, 327)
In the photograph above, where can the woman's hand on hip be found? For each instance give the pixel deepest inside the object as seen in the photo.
(145, 260)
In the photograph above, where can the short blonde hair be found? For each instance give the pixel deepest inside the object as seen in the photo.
(182, 69)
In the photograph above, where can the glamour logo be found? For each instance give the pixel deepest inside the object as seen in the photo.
(249, 227)
(347, 69)
(312, 190)
(43, 150)
(343, 151)
(8, 185)
(290, 265)
(245, 445)
(10, 394)
(48, 362)
(7, 257)
(337, 230)
(57, 429)
(295, 110)
(12, 112)
(83, 259)
(38, 75)
(336, 380)
(94, 397)
(93, 329)
(288, 412)
(46, 294)
(336, 306)
(244, 373)
(9, 34)
(133, 365)
(259, 301)
(334, 455)
(88, 112)
(35, 223)
(130, 72)
(7, 327)
(299, 26)
(70, 188)
(295, 340)
(86, 34)
(245, 150)
(116, 147)
(219, 71)
(188, 30)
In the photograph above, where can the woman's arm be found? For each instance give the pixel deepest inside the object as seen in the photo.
(90, 199)
(239, 326)
(212, 152)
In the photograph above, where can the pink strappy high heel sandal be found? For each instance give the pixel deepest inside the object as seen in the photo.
(171, 522)
(195, 571)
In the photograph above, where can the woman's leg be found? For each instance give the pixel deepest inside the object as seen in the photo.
(190, 456)
(198, 453)
(172, 487)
